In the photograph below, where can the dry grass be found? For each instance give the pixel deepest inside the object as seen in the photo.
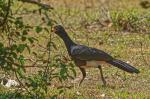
(82, 23)
(82, 20)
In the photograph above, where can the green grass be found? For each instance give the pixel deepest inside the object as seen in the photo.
(84, 28)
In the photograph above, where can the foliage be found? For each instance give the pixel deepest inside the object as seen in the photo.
(94, 26)
(129, 20)
(17, 43)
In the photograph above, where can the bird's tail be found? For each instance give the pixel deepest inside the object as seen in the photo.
(124, 66)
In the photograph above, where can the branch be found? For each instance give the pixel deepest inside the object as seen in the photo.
(22, 84)
(37, 2)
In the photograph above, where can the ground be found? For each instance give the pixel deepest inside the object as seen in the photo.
(107, 25)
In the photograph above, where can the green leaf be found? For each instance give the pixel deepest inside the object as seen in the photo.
(21, 48)
(13, 47)
(14, 55)
(32, 39)
(63, 73)
(38, 29)
(20, 71)
(19, 22)
(21, 59)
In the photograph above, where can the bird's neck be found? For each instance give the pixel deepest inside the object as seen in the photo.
(67, 40)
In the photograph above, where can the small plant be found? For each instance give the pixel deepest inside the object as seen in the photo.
(19, 40)
(129, 20)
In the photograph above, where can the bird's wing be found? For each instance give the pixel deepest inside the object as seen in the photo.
(82, 52)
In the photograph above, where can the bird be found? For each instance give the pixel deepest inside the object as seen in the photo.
(84, 56)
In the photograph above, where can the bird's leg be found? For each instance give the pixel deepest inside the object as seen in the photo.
(101, 72)
(83, 74)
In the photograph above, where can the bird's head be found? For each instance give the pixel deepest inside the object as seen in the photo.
(59, 30)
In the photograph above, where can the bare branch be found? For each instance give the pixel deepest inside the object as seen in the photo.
(37, 2)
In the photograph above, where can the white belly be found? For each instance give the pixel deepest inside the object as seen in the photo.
(93, 64)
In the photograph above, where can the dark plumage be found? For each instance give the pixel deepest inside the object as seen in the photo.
(87, 53)
(84, 56)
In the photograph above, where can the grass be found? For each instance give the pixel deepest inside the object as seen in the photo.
(83, 25)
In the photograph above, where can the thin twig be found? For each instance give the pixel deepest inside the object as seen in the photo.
(48, 60)
(37, 2)
(22, 84)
